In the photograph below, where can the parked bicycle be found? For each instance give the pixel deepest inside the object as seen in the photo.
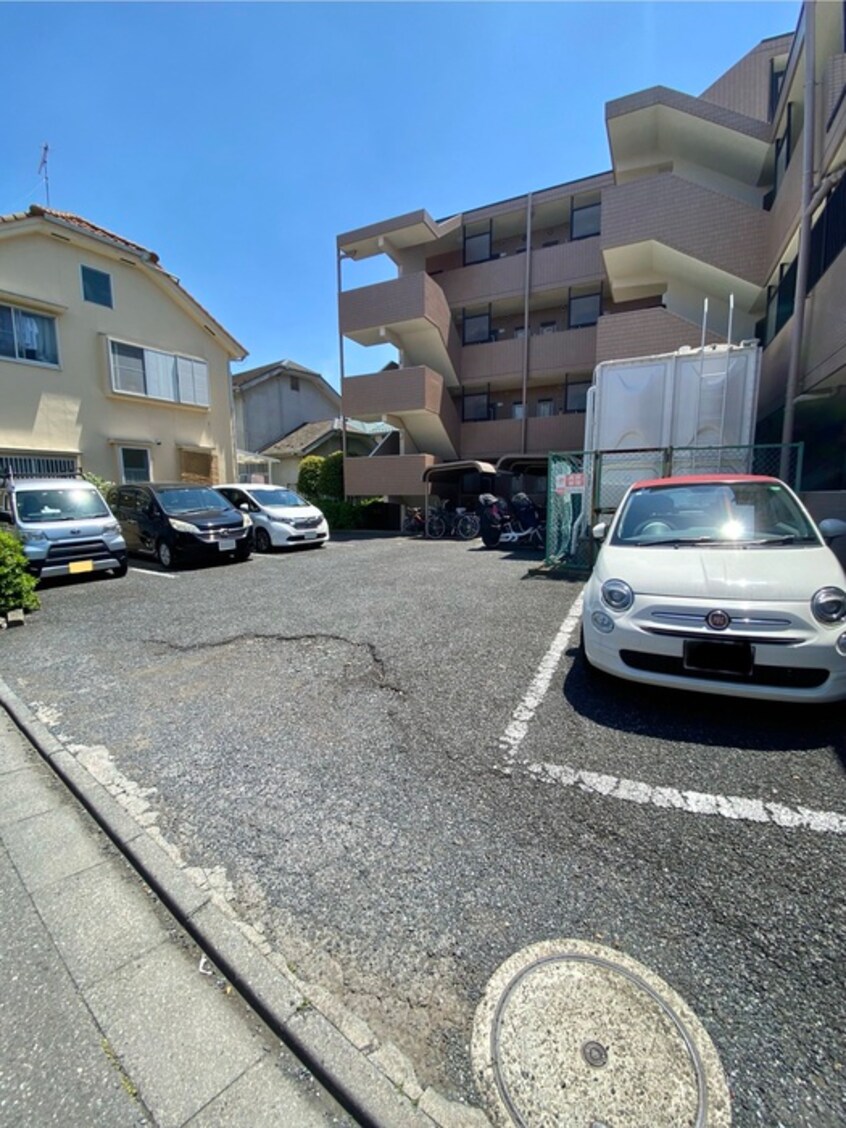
(415, 523)
(448, 522)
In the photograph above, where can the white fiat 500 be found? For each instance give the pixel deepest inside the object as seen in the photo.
(721, 584)
(281, 518)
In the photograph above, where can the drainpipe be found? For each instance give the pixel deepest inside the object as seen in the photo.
(341, 256)
(525, 421)
(804, 250)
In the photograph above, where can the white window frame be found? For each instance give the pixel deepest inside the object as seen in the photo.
(124, 481)
(13, 309)
(190, 375)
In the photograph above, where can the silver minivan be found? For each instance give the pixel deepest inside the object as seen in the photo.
(64, 525)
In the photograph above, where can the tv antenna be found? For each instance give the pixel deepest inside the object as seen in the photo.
(42, 170)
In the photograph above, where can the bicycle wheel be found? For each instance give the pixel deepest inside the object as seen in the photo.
(437, 527)
(467, 526)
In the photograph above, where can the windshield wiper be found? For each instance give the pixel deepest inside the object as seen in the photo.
(675, 542)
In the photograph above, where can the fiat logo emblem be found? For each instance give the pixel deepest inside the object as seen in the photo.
(717, 620)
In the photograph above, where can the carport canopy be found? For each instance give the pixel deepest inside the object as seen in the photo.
(454, 469)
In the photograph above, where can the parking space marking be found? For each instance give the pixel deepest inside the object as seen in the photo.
(513, 736)
(150, 572)
(734, 807)
(694, 802)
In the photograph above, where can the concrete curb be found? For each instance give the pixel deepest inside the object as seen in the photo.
(366, 1092)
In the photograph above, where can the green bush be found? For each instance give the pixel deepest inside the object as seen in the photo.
(102, 484)
(331, 481)
(17, 584)
(308, 480)
(342, 514)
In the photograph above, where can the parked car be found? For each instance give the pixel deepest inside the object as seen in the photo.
(64, 525)
(721, 584)
(178, 521)
(280, 516)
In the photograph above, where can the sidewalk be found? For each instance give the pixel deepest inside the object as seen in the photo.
(109, 1016)
(130, 996)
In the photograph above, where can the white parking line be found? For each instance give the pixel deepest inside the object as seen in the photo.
(150, 572)
(733, 807)
(513, 736)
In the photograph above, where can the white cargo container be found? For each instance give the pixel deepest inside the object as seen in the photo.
(701, 403)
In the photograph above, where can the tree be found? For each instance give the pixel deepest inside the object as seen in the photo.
(308, 480)
(331, 482)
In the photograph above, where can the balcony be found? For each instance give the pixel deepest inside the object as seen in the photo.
(566, 264)
(648, 237)
(490, 439)
(549, 353)
(415, 398)
(644, 332)
(410, 312)
(395, 475)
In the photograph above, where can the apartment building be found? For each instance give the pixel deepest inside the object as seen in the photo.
(107, 364)
(499, 314)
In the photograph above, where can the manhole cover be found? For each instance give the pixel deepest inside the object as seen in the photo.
(578, 1035)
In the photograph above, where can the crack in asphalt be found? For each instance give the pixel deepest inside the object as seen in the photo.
(257, 636)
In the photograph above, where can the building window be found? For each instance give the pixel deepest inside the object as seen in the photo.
(546, 407)
(96, 286)
(585, 221)
(584, 310)
(477, 242)
(575, 395)
(475, 407)
(518, 409)
(158, 375)
(295, 383)
(134, 464)
(778, 67)
(38, 465)
(28, 336)
(476, 328)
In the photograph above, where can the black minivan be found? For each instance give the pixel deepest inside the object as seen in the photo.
(180, 521)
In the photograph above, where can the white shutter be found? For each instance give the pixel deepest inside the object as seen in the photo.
(159, 368)
(193, 379)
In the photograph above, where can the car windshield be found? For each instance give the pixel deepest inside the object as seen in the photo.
(59, 505)
(190, 499)
(280, 497)
(717, 513)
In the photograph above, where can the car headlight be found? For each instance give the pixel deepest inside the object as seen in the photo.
(182, 526)
(246, 520)
(32, 537)
(286, 521)
(617, 595)
(829, 605)
(112, 527)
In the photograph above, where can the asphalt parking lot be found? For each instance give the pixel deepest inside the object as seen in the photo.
(388, 755)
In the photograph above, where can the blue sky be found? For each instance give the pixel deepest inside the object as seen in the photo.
(238, 139)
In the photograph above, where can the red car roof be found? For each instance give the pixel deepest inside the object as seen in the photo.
(705, 479)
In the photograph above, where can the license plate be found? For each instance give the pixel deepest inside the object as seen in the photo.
(726, 656)
(80, 566)
(226, 545)
(310, 536)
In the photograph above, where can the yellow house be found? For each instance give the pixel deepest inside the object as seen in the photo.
(106, 363)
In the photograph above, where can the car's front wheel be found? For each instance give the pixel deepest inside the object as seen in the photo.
(263, 542)
(164, 555)
(121, 569)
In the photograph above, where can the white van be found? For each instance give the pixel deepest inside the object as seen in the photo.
(64, 525)
(281, 518)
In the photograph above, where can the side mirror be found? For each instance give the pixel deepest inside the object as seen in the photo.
(832, 527)
(244, 507)
(5, 518)
(600, 530)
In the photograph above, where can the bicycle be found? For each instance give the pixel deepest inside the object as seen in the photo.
(458, 523)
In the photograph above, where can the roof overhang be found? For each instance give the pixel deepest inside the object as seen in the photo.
(660, 125)
(441, 469)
